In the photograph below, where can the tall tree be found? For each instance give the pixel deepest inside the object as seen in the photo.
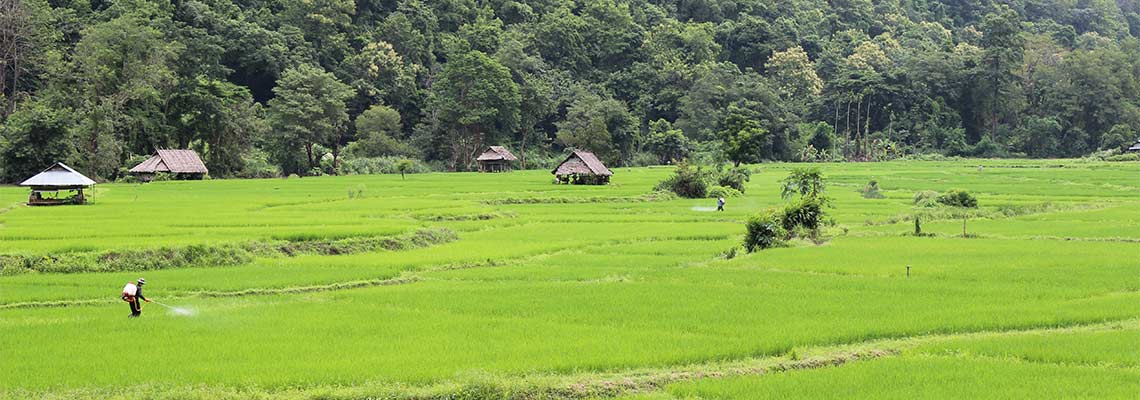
(122, 72)
(308, 110)
(35, 136)
(477, 101)
(1004, 51)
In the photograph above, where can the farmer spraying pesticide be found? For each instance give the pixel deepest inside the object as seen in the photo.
(720, 204)
(132, 293)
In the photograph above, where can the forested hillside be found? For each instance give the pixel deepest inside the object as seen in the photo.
(262, 87)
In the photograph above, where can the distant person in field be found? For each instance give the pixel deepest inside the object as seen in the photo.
(720, 204)
(132, 293)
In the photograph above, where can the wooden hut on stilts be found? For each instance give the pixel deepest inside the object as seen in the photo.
(582, 168)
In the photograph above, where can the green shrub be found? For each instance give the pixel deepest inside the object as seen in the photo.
(804, 213)
(687, 181)
(871, 191)
(805, 182)
(721, 191)
(382, 165)
(926, 198)
(1124, 157)
(764, 230)
(733, 177)
(958, 198)
(257, 165)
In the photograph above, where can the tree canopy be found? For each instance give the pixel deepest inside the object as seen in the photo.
(293, 83)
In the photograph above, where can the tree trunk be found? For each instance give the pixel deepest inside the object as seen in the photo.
(858, 129)
(11, 106)
(309, 152)
(847, 132)
(336, 157)
(867, 130)
(522, 149)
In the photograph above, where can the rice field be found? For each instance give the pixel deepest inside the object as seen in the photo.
(551, 291)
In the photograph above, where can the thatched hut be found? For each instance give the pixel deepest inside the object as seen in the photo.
(496, 159)
(183, 164)
(582, 168)
(57, 185)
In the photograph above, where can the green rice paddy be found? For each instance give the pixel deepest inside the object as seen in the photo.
(557, 291)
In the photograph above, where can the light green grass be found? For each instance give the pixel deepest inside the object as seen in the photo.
(582, 280)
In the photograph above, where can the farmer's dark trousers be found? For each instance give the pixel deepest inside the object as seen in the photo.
(136, 309)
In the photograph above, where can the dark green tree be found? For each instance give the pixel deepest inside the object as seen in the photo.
(308, 110)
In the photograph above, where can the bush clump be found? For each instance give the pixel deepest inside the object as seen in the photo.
(958, 198)
(383, 165)
(806, 213)
(722, 191)
(1123, 157)
(696, 181)
(733, 177)
(764, 230)
(871, 191)
(926, 198)
(687, 181)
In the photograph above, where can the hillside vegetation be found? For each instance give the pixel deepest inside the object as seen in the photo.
(308, 87)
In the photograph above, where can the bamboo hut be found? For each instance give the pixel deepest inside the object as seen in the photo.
(582, 168)
(496, 159)
(57, 185)
(183, 164)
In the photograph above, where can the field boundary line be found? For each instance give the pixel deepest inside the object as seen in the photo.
(404, 280)
(308, 289)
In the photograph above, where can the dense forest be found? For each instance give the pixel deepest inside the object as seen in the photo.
(269, 87)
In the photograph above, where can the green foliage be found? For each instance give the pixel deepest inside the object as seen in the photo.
(716, 192)
(871, 190)
(733, 177)
(763, 231)
(376, 130)
(599, 124)
(688, 180)
(383, 165)
(666, 143)
(804, 182)
(695, 180)
(807, 81)
(958, 198)
(743, 139)
(308, 110)
(1124, 157)
(477, 101)
(806, 213)
(926, 198)
(34, 137)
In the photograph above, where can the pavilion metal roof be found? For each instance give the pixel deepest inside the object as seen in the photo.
(58, 174)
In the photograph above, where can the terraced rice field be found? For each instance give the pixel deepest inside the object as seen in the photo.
(526, 289)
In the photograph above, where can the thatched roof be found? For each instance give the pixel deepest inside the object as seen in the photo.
(172, 161)
(582, 163)
(495, 153)
(58, 175)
